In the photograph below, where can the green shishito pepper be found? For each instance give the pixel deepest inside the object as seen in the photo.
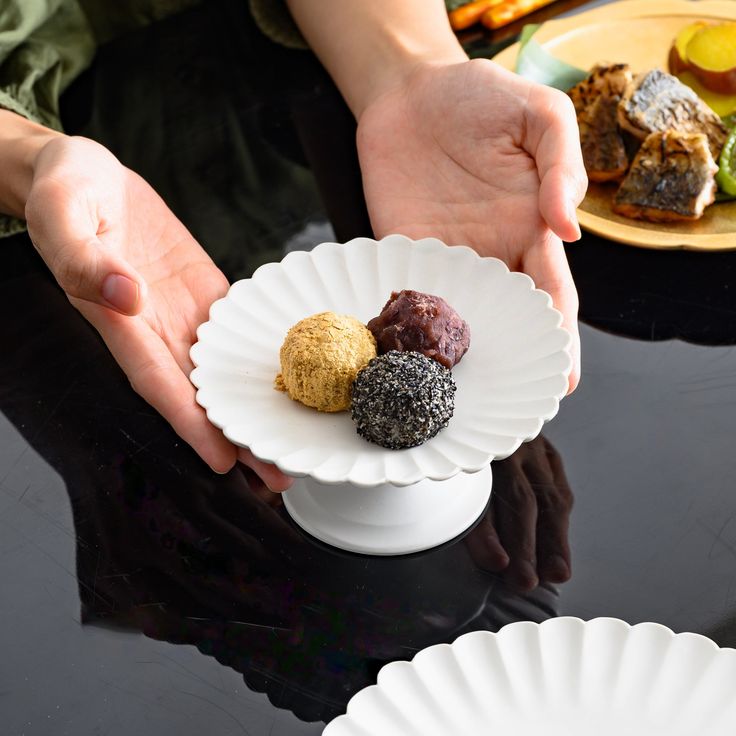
(726, 176)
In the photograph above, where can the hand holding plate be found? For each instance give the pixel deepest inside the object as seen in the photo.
(475, 155)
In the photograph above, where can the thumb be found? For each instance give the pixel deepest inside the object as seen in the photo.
(547, 265)
(84, 266)
(87, 269)
(554, 141)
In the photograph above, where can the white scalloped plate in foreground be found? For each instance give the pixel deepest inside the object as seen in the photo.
(564, 677)
(509, 382)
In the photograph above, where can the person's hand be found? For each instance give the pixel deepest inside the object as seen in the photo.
(524, 534)
(472, 154)
(134, 271)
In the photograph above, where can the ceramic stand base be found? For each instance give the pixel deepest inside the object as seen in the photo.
(386, 519)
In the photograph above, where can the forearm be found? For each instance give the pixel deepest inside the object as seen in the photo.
(20, 142)
(371, 46)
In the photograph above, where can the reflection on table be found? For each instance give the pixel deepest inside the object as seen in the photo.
(166, 547)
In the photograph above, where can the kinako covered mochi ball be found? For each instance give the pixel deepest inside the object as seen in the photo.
(320, 358)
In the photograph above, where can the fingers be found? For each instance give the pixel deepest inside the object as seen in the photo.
(515, 515)
(157, 378)
(553, 545)
(547, 264)
(485, 547)
(276, 481)
(554, 142)
(259, 489)
(531, 505)
(64, 230)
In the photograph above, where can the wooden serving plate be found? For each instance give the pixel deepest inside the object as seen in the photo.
(640, 33)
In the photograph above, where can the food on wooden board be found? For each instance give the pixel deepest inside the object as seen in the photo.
(671, 178)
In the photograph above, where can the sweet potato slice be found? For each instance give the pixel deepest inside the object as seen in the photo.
(711, 55)
(678, 62)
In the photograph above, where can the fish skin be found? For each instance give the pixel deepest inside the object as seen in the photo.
(604, 77)
(603, 147)
(671, 178)
(596, 102)
(657, 102)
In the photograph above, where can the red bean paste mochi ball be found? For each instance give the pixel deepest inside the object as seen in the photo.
(423, 323)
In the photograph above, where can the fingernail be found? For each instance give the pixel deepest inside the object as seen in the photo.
(526, 575)
(572, 215)
(495, 560)
(278, 490)
(558, 569)
(120, 292)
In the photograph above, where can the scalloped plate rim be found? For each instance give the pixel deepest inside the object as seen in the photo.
(426, 244)
(506, 632)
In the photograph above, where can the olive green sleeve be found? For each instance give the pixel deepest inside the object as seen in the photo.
(44, 44)
(275, 21)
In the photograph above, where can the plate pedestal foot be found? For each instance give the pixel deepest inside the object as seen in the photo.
(387, 519)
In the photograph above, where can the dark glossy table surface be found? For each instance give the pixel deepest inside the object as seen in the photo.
(141, 594)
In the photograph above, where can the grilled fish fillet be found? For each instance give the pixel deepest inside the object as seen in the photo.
(656, 101)
(610, 78)
(604, 151)
(671, 178)
(596, 102)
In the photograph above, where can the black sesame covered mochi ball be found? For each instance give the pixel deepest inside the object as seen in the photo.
(402, 399)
